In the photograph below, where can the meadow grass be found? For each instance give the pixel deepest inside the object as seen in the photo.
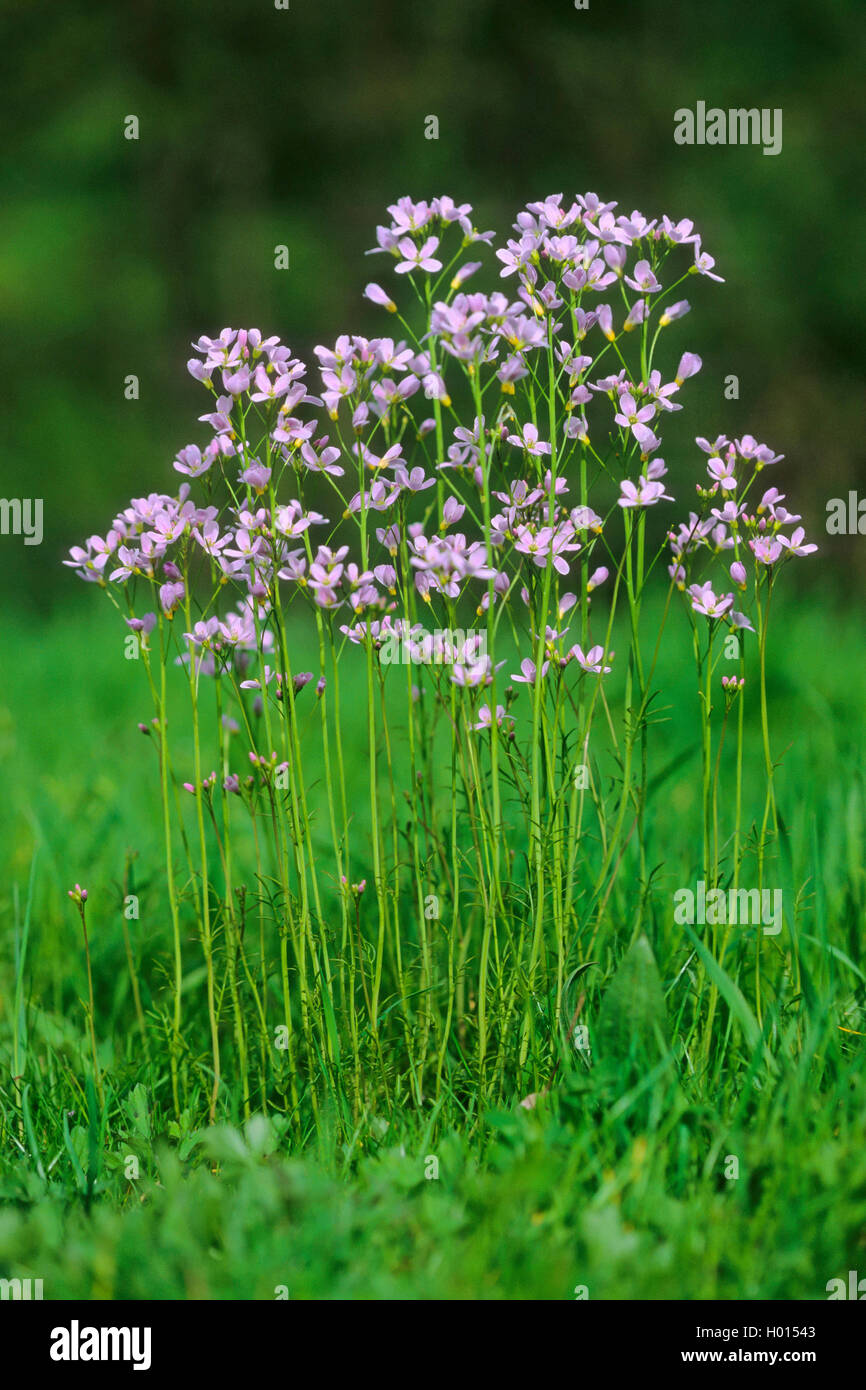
(615, 1182)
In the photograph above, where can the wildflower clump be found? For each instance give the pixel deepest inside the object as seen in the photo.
(460, 519)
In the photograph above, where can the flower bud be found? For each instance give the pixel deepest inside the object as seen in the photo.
(738, 574)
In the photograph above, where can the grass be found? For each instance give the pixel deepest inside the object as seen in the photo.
(616, 1181)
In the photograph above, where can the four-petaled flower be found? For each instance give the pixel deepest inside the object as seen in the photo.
(417, 257)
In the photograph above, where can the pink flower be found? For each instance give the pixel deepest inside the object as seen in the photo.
(527, 672)
(592, 661)
(766, 549)
(648, 441)
(417, 257)
(528, 439)
(642, 494)
(643, 279)
(675, 311)
(721, 472)
(690, 364)
(705, 601)
(704, 264)
(485, 718)
(628, 413)
(794, 544)
(377, 295)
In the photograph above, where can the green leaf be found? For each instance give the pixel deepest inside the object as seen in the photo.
(734, 998)
(30, 1132)
(80, 1179)
(137, 1109)
(632, 1022)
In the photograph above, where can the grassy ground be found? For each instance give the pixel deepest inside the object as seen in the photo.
(623, 1180)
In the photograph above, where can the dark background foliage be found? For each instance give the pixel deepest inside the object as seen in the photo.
(261, 126)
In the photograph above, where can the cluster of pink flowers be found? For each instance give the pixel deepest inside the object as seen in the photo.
(424, 472)
(731, 525)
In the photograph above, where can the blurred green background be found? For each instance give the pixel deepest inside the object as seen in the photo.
(261, 126)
